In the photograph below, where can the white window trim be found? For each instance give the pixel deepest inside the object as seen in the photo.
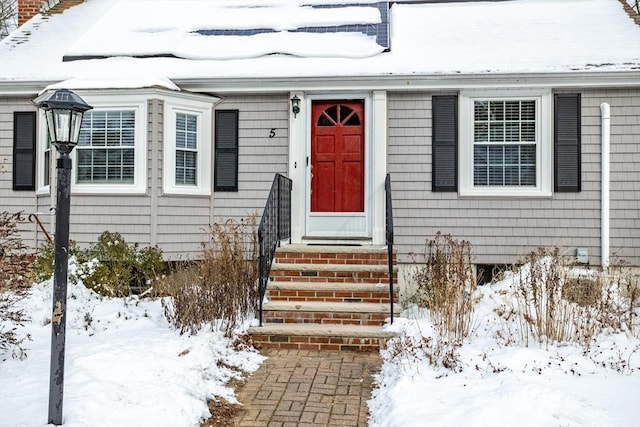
(119, 102)
(203, 112)
(544, 149)
(42, 147)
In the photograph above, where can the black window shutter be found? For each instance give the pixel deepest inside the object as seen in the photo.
(567, 152)
(226, 151)
(444, 146)
(24, 151)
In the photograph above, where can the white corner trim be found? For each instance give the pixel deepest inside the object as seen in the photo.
(379, 168)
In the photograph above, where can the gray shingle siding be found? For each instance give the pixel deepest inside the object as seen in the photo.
(502, 230)
(260, 157)
(16, 201)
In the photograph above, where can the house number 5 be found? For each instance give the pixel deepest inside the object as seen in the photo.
(272, 133)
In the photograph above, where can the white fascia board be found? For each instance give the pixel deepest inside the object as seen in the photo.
(414, 82)
(440, 82)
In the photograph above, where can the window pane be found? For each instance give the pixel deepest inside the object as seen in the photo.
(98, 137)
(85, 136)
(114, 157)
(528, 175)
(512, 132)
(100, 157)
(480, 154)
(113, 137)
(192, 123)
(496, 132)
(528, 110)
(511, 175)
(127, 174)
(528, 132)
(180, 140)
(191, 141)
(186, 131)
(481, 111)
(496, 175)
(190, 160)
(496, 154)
(190, 176)
(186, 167)
(181, 122)
(481, 132)
(99, 174)
(528, 154)
(47, 167)
(480, 175)
(496, 110)
(512, 154)
(512, 110)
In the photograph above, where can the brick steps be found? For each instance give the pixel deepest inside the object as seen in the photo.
(327, 297)
(320, 337)
(330, 292)
(339, 273)
(344, 313)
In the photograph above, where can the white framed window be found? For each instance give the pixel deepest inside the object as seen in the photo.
(505, 143)
(111, 155)
(106, 147)
(187, 148)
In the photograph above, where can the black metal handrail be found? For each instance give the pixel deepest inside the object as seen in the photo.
(389, 238)
(275, 226)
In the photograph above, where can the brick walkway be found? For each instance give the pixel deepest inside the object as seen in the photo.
(308, 388)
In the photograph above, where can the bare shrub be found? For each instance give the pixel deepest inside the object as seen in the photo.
(15, 279)
(221, 289)
(10, 319)
(15, 261)
(556, 302)
(624, 294)
(436, 352)
(446, 286)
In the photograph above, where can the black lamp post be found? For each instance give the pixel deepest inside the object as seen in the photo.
(63, 110)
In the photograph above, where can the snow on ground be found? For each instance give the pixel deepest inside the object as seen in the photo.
(508, 385)
(125, 365)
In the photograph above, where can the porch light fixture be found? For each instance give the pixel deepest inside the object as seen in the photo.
(295, 105)
(63, 110)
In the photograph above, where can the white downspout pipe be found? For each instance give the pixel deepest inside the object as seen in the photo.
(605, 169)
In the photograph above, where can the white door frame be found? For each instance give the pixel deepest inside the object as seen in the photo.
(375, 106)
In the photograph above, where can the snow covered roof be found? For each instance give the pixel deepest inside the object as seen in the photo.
(196, 40)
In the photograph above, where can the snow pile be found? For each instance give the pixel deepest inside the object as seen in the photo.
(125, 365)
(490, 380)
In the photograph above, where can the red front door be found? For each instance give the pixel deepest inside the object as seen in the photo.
(337, 156)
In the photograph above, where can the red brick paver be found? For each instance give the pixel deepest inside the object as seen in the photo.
(308, 388)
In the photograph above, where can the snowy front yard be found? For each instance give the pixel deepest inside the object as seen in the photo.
(126, 366)
(492, 381)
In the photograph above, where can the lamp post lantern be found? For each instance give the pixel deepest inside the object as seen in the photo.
(63, 111)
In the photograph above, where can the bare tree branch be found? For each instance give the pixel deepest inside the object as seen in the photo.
(8, 16)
